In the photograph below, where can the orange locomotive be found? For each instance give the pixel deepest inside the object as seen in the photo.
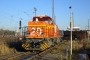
(41, 33)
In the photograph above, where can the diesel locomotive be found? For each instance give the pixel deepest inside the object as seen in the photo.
(40, 34)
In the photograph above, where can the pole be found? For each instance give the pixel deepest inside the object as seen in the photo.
(85, 32)
(88, 30)
(35, 10)
(70, 32)
(73, 19)
(53, 14)
(53, 9)
(20, 24)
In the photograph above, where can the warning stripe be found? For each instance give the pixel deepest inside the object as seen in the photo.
(42, 47)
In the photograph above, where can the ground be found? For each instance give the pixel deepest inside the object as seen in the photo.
(61, 53)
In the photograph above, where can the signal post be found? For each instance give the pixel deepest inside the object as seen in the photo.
(71, 26)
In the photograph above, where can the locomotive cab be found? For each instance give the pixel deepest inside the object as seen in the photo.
(45, 19)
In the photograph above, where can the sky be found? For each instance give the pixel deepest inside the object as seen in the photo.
(12, 11)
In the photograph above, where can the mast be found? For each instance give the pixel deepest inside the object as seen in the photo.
(71, 26)
(53, 16)
(73, 19)
(35, 10)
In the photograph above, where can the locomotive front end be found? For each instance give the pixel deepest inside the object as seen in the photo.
(40, 33)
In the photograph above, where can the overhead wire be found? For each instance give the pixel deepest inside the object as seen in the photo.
(17, 10)
(12, 17)
(8, 18)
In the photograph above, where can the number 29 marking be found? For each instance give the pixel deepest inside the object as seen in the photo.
(36, 31)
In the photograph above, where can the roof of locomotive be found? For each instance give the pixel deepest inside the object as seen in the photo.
(42, 18)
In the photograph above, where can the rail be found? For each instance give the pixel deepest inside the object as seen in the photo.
(42, 53)
(29, 55)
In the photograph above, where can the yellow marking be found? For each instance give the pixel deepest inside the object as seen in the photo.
(41, 26)
(23, 45)
(27, 48)
(27, 45)
(46, 44)
(50, 26)
(42, 47)
(36, 25)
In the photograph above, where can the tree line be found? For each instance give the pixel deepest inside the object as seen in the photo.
(6, 32)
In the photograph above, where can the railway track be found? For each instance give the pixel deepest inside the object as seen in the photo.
(29, 55)
(43, 53)
(17, 56)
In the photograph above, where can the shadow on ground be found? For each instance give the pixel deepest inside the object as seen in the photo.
(17, 45)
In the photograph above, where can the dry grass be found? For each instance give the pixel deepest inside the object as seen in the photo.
(60, 48)
(9, 39)
(4, 49)
(76, 45)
